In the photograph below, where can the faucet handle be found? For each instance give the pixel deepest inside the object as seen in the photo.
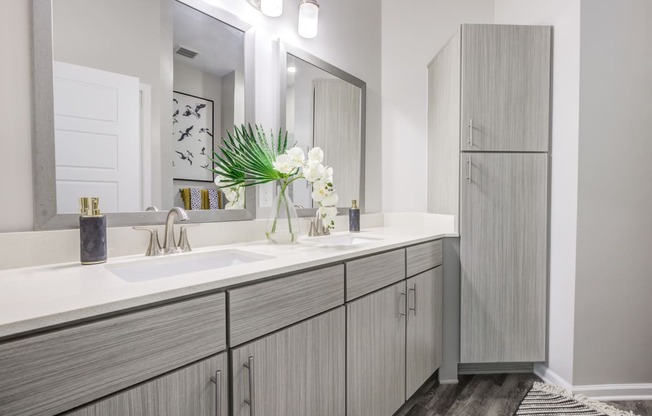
(154, 248)
(184, 244)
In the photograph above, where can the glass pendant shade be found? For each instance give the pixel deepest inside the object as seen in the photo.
(308, 18)
(271, 8)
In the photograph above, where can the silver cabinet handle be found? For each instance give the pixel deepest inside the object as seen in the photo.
(249, 365)
(471, 133)
(400, 310)
(217, 379)
(469, 165)
(414, 291)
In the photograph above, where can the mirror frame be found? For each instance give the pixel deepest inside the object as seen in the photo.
(44, 170)
(284, 51)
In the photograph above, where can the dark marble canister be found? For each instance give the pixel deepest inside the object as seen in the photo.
(354, 220)
(92, 239)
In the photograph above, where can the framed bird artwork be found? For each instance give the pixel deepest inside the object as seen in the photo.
(192, 137)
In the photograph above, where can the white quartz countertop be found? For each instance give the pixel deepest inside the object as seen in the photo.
(33, 298)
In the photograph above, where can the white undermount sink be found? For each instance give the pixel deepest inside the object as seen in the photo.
(178, 264)
(344, 240)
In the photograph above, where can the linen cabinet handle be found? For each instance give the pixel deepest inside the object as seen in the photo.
(471, 133)
(217, 379)
(249, 365)
(400, 310)
(414, 291)
(469, 166)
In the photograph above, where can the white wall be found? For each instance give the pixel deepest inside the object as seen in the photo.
(411, 37)
(16, 212)
(564, 15)
(613, 329)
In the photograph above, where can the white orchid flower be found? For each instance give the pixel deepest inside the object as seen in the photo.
(218, 180)
(328, 175)
(235, 196)
(330, 200)
(313, 171)
(297, 156)
(327, 215)
(284, 164)
(316, 154)
(320, 191)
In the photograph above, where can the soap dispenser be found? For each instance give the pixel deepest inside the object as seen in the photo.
(354, 217)
(92, 232)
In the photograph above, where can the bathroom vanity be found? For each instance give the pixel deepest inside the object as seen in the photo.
(344, 324)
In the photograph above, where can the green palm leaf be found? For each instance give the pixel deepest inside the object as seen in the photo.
(245, 157)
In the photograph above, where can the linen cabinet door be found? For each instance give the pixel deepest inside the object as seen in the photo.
(296, 371)
(505, 101)
(376, 352)
(424, 328)
(503, 254)
(199, 389)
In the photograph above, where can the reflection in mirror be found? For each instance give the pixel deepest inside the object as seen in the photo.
(141, 88)
(324, 108)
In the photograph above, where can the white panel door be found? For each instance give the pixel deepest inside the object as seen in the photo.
(97, 138)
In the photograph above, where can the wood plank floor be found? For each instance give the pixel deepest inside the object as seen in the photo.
(484, 395)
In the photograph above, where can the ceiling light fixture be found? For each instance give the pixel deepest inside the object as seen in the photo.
(271, 8)
(292, 69)
(308, 18)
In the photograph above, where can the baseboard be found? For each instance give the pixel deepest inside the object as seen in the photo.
(615, 392)
(494, 368)
(451, 381)
(602, 392)
(549, 376)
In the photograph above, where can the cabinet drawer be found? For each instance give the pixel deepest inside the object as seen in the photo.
(185, 392)
(265, 307)
(423, 257)
(371, 273)
(54, 372)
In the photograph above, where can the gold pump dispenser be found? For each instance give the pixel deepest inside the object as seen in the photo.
(92, 231)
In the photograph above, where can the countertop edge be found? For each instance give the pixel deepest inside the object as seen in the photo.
(54, 321)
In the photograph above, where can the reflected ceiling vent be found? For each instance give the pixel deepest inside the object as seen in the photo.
(185, 51)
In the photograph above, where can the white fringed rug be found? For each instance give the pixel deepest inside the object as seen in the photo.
(550, 400)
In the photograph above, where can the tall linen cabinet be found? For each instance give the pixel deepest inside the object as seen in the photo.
(488, 144)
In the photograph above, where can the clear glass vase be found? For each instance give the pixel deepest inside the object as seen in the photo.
(283, 222)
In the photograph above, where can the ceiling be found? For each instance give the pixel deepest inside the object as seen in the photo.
(221, 46)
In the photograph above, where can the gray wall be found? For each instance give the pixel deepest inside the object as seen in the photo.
(613, 322)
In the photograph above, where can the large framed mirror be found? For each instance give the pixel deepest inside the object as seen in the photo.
(324, 106)
(130, 99)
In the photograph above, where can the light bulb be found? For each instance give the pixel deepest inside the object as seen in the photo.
(271, 8)
(308, 18)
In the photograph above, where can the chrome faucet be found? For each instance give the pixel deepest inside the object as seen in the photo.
(317, 227)
(169, 243)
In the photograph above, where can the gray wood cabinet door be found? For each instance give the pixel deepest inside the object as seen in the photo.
(375, 359)
(503, 254)
(424, 328)
(296, 371)
(505, 88)
(185, 392)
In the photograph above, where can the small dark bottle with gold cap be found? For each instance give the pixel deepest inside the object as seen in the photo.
(354, 217)
(92, 232)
